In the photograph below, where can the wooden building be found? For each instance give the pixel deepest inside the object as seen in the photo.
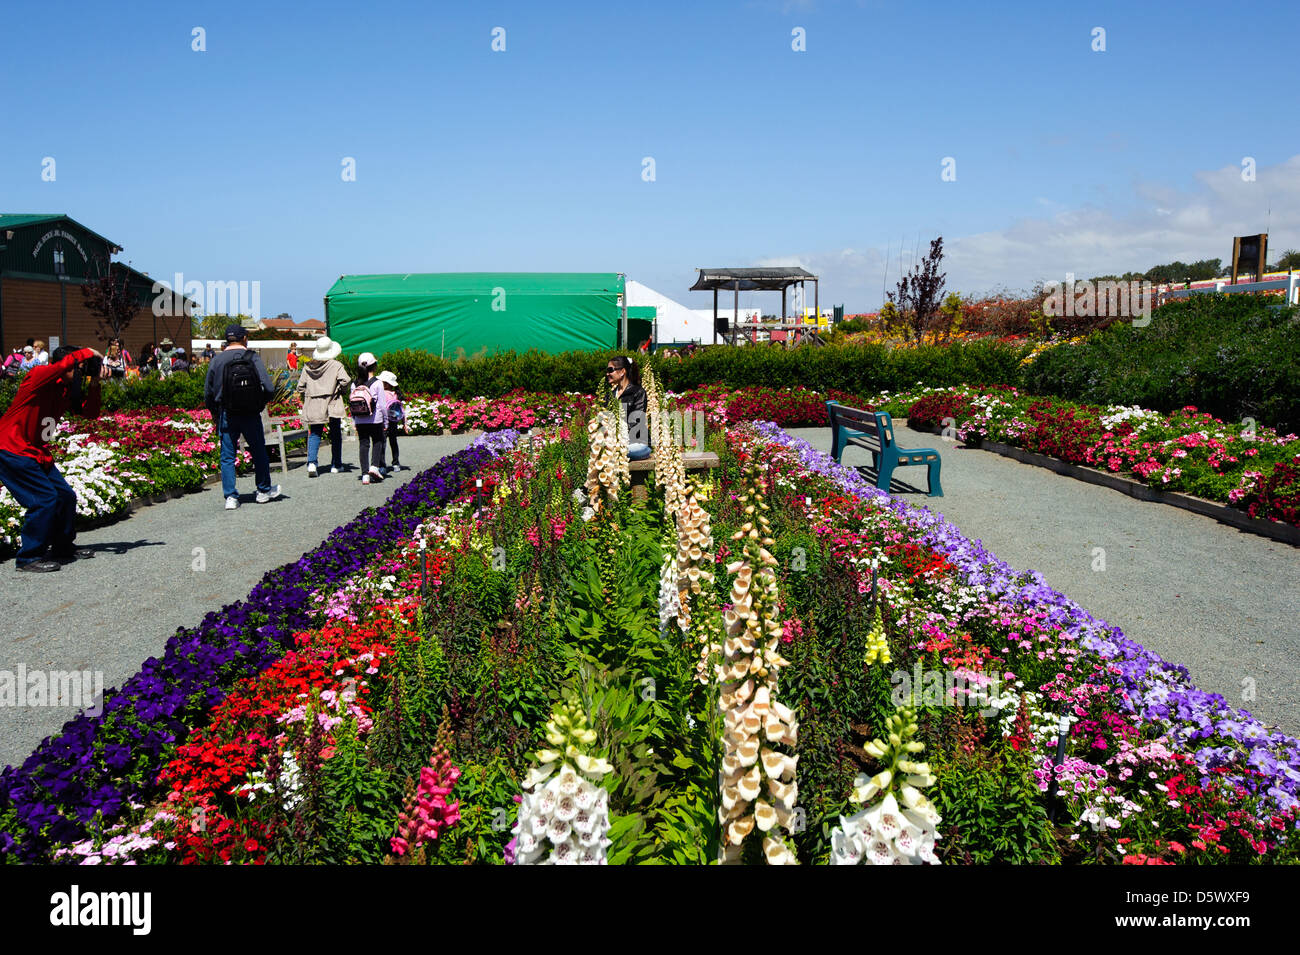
(44, 262)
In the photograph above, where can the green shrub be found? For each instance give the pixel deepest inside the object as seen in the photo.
(183, 389)
(993, 814)
(8, 388)
(1231, 355)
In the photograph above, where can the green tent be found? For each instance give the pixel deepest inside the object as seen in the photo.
(500, 311)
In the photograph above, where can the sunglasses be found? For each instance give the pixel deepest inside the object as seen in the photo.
(612, 371)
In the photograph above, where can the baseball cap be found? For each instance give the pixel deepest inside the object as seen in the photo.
(236, 333)
(367, 359)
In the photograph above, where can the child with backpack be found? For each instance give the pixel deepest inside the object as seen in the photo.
(396, 417)
(368, 403)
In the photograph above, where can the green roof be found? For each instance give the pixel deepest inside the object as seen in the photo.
(9, 220)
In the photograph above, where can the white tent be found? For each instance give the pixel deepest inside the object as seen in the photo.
(676, 322)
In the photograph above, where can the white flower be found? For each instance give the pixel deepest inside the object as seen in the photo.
(566, 808)
(558, 831)
(568, 781)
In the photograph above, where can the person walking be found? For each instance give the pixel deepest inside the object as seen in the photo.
(291, 359)
(323, 384)
(395, 417)
(236, 390)
(368, 403)
(208, 353)
(625, 379)
(27, 467)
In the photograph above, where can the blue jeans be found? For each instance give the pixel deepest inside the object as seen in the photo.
(249, 427)
(51, 521)
(638, 452)
(314, 434)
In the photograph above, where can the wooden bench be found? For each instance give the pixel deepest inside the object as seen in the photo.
(275, 434)
(874, 431)
(691, 461)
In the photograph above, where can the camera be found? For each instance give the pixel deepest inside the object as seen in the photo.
(91, 367)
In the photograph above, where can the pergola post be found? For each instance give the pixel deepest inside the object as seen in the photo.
(736, 318)
(715, 315)
(817, 309)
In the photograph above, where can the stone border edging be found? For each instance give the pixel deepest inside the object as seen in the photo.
(1222, 513)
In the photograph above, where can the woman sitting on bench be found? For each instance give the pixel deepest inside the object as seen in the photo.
(625, 378)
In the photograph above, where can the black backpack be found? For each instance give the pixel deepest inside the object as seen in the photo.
(241, 387)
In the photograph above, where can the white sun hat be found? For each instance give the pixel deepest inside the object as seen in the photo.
(326, 348)
(367, 359)
(388, 378)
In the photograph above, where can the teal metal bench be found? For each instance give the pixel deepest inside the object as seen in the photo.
(874, 431)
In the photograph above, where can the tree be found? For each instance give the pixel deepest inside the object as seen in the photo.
(111, 300)
(918, 294)
(951, 315)
(212, 326)
(1290, 260)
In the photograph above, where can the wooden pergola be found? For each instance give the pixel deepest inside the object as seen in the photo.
(749, 280)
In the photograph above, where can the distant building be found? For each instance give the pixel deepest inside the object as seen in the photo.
(309, 328)
(45, 259)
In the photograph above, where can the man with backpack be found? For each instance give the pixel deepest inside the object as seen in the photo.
(236, 390)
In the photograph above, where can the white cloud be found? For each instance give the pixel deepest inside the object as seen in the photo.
(1162, 224)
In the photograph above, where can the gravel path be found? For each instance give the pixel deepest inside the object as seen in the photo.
(110, 614)
(1223, 603)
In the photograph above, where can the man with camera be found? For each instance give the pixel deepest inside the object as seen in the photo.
(46, 393)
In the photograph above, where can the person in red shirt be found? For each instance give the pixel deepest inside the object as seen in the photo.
(27, 468)
(292, 357)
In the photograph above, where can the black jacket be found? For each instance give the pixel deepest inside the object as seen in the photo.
(634, 408)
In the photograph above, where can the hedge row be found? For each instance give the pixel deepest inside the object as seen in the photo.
(1234, 356)
(1231, 355)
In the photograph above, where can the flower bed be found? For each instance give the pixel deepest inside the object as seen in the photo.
(1127, 707)
(519, 410)
(776, 663)
(99, 766)
(788, 407)
(1255, 469)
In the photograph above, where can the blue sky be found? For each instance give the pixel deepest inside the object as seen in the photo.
(226, 164)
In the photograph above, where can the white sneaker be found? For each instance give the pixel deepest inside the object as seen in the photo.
(311, 470)
(336, 470)
(271, 495)
(232, 503)
(365, 479)
(376, 474)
